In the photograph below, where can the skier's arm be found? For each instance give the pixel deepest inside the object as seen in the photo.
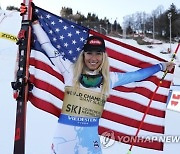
(63, 65)
(141, 74)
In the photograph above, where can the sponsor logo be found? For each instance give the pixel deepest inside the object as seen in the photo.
(82, 110)
(82, 119)
(73, 109)
(8, 36)
(95, 42)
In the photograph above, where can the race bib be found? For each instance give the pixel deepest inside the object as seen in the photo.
(83, 103)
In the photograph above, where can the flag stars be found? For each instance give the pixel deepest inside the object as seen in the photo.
(41, 17)
(74, 59)
(78, 49)
(52, 23)
(36, 10)
(48, 16)
(82, 39)
(66, 44)
(65, 27)
(61, 37)
(54, 39)
(50, 32)
(72, 26)
(57, 30)
(69, 34)
(58, 46)
(60, 20)
(70, 52)
(77, 32)
(74, 42)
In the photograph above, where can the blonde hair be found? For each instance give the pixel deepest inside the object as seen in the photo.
(79, 66)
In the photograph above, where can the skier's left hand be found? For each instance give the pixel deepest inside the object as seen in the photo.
(168, 66)
(23, 9)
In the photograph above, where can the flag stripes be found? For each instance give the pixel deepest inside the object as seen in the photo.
(126, 105)
(117, 97)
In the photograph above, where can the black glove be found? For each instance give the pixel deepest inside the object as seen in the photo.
(23, 10)
(34, 15)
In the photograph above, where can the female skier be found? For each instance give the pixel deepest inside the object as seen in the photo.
(87, 85)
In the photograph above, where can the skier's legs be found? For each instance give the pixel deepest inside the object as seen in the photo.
(70, 139)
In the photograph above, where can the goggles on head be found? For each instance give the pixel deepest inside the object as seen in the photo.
(89, 81)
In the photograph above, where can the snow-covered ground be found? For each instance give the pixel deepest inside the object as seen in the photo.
(41, 125)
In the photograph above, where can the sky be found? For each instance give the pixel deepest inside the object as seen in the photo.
(111, 9)
(40, 125)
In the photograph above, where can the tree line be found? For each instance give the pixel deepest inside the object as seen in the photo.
(157, 24)
(160, 22)
(91, 21)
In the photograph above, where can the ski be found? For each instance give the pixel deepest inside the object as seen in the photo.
(20, 85)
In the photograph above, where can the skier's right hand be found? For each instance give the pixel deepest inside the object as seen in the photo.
(167, 66)
(23, 10)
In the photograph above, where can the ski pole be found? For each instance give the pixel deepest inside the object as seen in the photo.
(147, 109)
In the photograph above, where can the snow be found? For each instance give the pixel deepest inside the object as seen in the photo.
(41, 125)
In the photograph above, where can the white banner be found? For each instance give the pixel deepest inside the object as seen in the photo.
(173, 102)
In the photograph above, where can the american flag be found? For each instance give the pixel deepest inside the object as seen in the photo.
(126, 105)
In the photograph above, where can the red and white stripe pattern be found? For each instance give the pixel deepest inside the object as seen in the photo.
(126, 105)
